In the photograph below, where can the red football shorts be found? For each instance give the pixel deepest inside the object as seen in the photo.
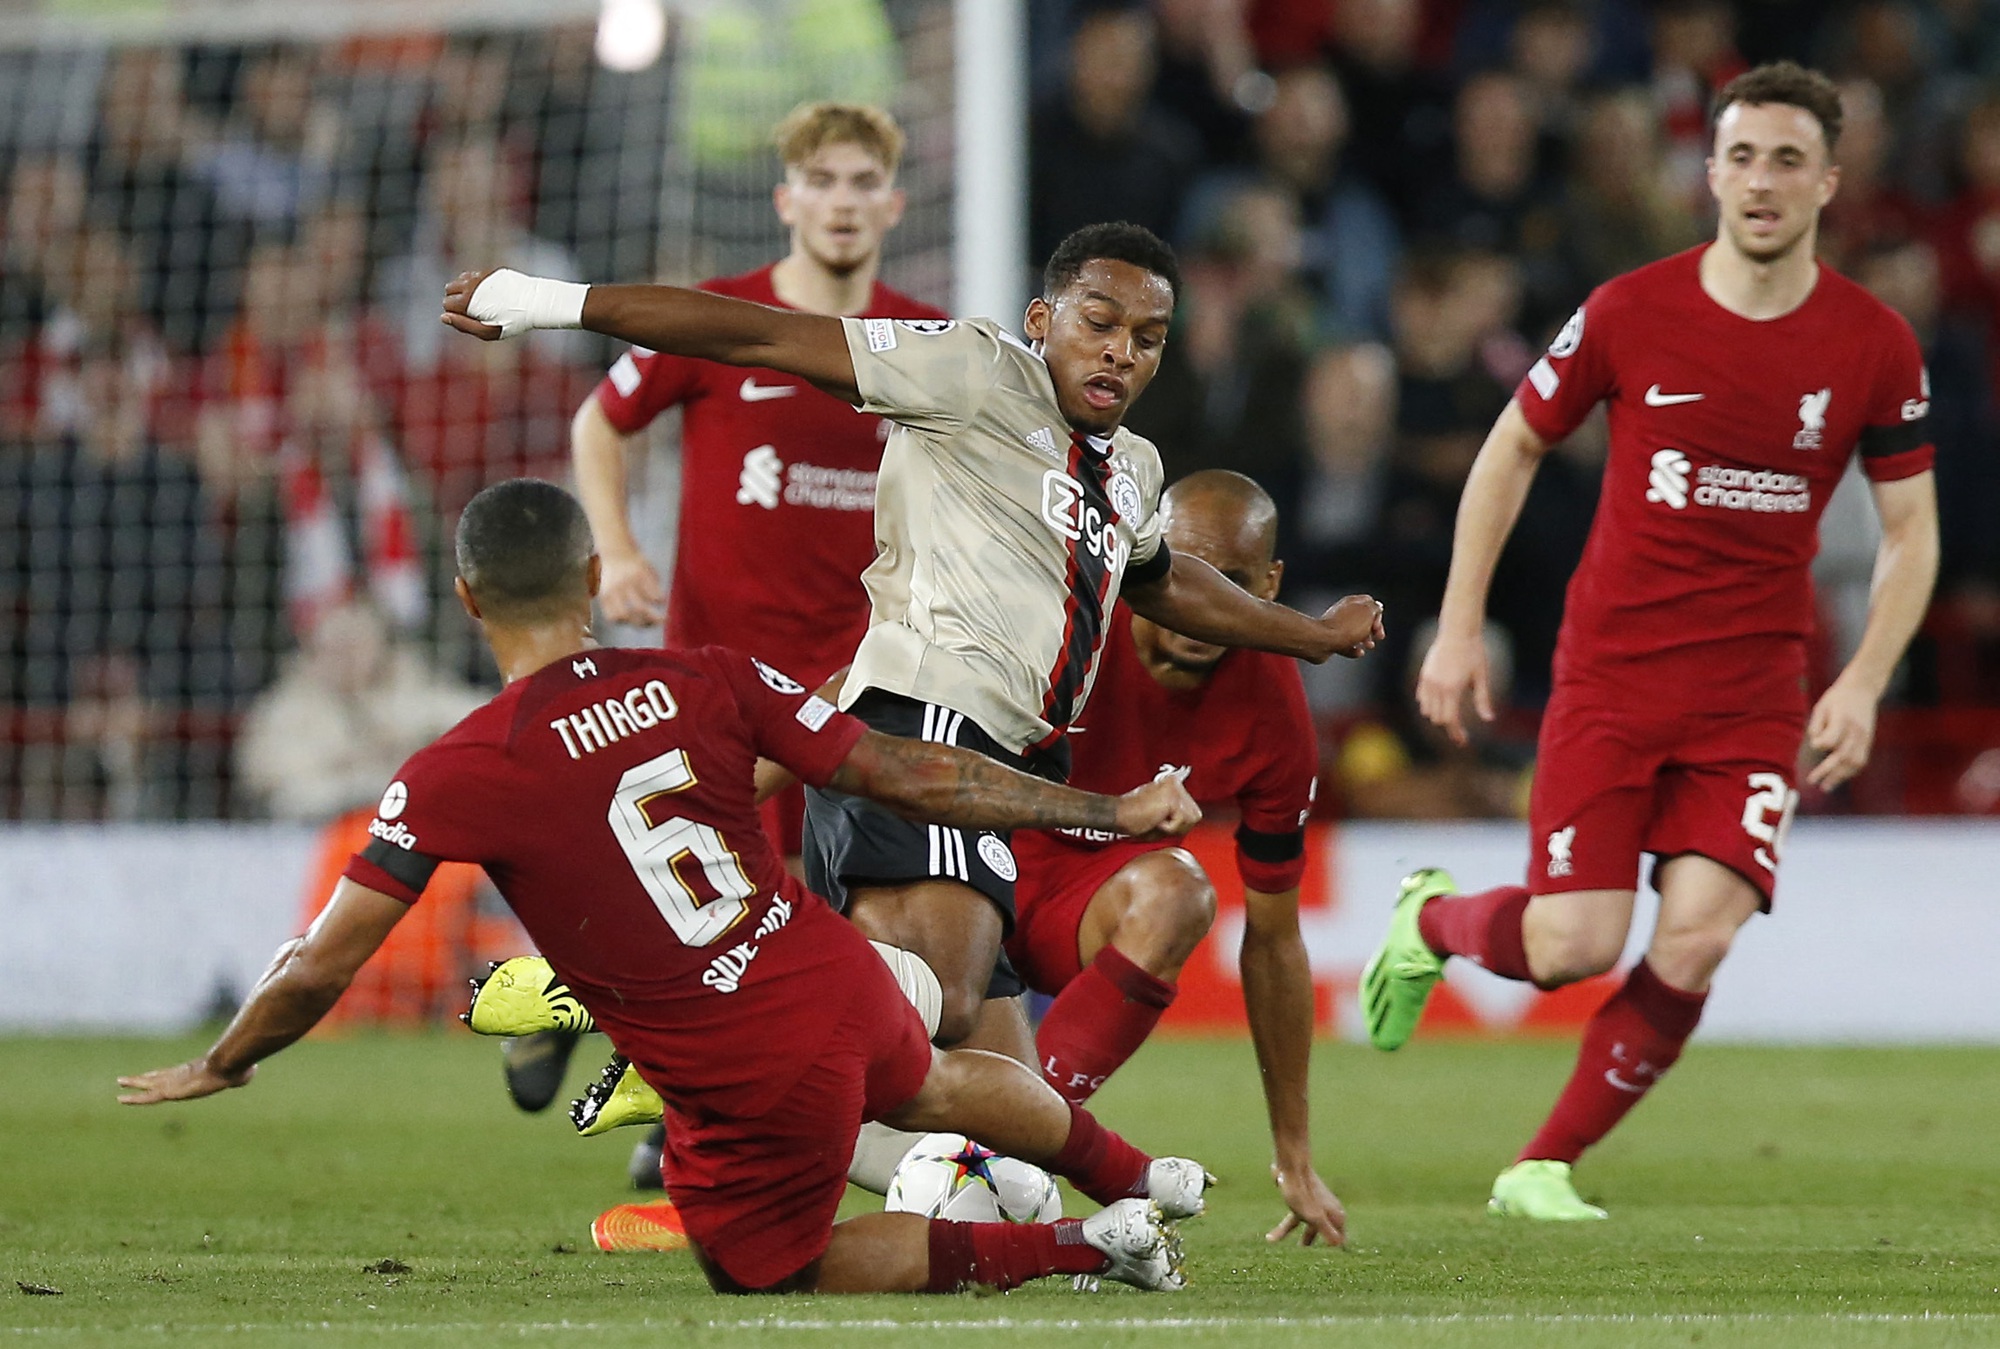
(784, 817)
(759, 1195)
(1056, 885)
(1612, 785)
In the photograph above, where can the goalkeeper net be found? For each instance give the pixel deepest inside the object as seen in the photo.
(233, 437)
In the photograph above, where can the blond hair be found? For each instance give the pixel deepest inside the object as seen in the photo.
(811, 127)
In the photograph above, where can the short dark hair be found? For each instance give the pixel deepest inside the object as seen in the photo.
(1118, 241)
(1785, 82)
(523, 547)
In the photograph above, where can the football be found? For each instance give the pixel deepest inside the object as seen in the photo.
(948, 1176)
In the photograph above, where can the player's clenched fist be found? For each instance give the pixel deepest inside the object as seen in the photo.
(501, 302)
(1160, 809)
(1356, 625)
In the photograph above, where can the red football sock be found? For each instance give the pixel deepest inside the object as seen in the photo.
(1627, 1047)
(1098, 1022)
(1484, 928)
(1007, 1255)
(1099, 1162)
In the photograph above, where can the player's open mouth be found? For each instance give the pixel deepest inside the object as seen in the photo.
(1102, 391)
(1761, 215)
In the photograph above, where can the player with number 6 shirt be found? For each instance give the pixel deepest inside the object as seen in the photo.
(1741, 379)
(609, 795)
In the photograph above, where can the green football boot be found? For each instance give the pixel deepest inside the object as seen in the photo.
(1397, 981)
(1541, 1191)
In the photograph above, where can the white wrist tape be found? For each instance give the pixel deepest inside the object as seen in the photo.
(516, 303)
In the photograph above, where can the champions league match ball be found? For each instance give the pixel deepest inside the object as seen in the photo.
(948, 1176)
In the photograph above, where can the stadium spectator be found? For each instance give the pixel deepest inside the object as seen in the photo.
(1103, 151)
(189, 253)
(1401, 112)
(1871, 211)
(1496, 199)
(1884, 42)
(1350, 244)
(346, 711)
(274, 159)
(465, 416)
(1617, 214)
(1694, 54)
(472, 209)
(1228, 395)
(1350, 420)
(1208, 74)
(115, 570)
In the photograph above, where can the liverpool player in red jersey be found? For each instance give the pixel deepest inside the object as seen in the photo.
(609, 795)
(777, 488)
(1106, 923)
(1741, 378)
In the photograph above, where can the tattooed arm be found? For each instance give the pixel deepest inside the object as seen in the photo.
(941, 784)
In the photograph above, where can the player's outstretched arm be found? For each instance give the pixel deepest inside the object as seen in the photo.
(1487, 510)
(1196, 600)
(306, 977)
(1842, 728)
(503, 303)
(942, 784)
(1278, 995)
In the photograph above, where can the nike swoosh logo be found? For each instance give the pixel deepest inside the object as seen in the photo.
(753, 392)
(1611, 1076)
(1654, 398)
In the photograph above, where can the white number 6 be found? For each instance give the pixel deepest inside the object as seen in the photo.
(658, 845)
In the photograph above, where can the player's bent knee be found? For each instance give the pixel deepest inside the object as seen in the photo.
(1689, 957)
(1559, 958)
(1173, 905)
(958, 1015)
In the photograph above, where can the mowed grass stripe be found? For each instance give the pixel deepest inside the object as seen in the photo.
(1769, 1197)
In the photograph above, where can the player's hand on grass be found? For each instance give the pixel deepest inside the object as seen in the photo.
(1356, 625)
(1453, 667)
(1842, 731)
(183, 1082)
(1160, 809)
(1315, 1212)
(631, 591)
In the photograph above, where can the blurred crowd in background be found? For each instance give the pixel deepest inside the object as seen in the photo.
(234, 436)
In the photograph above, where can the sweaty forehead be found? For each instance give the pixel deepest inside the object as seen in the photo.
(1140, 294)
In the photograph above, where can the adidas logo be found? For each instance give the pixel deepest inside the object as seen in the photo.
(1043, 439)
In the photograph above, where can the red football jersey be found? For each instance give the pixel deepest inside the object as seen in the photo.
(1244, 737)
(609, 798)
(1727, 437)
(777, 517)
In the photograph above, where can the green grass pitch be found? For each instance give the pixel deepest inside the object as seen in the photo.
(1762, 1197)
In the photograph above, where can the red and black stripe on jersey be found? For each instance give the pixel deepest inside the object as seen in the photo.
(1088, 582)
(1882, 445)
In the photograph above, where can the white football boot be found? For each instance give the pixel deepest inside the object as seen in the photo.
(1143, 1248)
(1176, 1185)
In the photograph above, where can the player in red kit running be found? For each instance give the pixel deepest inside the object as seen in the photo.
(1741, 378)
(1106, 924)
(608, 793)
(777, 486)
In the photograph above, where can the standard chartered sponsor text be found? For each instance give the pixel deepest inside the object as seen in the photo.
(832, 489)
(1743, 489)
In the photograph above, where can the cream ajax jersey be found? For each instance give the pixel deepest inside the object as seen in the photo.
(1001, 536)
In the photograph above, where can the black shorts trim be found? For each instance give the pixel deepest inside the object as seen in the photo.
(851, 842)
